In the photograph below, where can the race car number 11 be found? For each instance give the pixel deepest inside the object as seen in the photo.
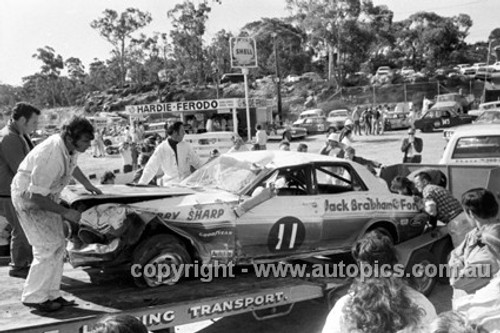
(286, 234)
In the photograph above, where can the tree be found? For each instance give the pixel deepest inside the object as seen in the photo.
(188, 23)
(118, 30)
(46, 82)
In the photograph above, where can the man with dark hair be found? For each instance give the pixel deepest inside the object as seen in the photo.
(35, 191)
(440, 202)
(481, 208)
(173, 156)
(412, 147)
(15, 144)
(350, 154)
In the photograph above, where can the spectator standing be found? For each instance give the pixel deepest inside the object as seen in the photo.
(15, 144)
(126, 153)
(356, 116)
(333, 147)
(133, 139)
(260, 138)
(36, 187)
(367, 121)
(481, 209)
(174, 157)
(447, 208)
(209, 126)
(412, 147)
(375, 121)
(100, 142)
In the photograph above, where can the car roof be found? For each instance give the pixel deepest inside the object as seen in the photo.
(281, 159)
(480, 129)
(444, 104)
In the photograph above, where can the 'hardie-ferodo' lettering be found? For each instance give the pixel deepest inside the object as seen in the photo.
(178, 106)
(205, 214)
(235, 304)
(369, 204)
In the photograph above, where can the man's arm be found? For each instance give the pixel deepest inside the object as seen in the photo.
(47, 204)
(152, 166)
(82, 179)
(418, 144)
(405, 145)
(13, 150)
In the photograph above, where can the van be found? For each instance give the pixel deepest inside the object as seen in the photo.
(312, 113)
(204, 143)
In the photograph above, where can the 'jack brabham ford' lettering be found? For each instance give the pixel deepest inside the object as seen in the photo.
(205, 214)
(235, 304)
(369, 204)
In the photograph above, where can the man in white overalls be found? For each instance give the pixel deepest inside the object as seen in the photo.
(35, 191)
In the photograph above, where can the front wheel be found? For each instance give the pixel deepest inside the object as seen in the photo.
(155, 257)
(421, 271)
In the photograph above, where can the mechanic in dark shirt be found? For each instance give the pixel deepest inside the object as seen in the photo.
(15, 144)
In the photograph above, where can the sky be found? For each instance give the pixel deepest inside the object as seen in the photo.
(64, 25)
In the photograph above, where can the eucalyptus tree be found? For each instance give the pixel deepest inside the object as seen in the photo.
(118, 29)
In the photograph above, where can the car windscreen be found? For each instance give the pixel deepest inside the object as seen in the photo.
(489, 117)
(226, 173)
(477, 147)
(338, 114)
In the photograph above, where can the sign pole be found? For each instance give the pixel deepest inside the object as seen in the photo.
(247, 103)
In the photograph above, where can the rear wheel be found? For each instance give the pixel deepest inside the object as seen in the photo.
(152, 254)
(419, 273)
(442, 252)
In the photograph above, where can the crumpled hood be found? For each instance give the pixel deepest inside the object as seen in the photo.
(77, 193)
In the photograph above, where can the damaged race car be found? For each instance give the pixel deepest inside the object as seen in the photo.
(241, 208)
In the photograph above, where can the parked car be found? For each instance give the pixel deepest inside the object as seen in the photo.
(311, 113)
(384, 71)
(483, 107)
(337, 118)
(488, 117)
(407, 71)
(473, 144)
(242, 208)
(396, 120)
(232, 78)
(441, 118)
(484, 73)
(287, 132)
(313, 125)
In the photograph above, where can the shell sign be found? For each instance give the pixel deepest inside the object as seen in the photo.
(243, 52)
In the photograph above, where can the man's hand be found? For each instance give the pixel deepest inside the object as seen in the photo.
(72, 216)
(92, 189)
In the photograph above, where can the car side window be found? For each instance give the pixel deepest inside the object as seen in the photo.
(446, 114)
(333, 179)
(286, 181)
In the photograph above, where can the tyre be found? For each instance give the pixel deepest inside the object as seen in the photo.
(384, 232)
(158, 250)
(441, 252)
(416, 271)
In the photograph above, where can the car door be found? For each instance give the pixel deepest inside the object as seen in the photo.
(446, 119)
(340, 190)
(284, 224)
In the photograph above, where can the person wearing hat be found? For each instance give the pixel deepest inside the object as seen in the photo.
(412, 147)
(333, 146)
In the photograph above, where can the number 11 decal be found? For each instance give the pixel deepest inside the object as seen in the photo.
(286, 234)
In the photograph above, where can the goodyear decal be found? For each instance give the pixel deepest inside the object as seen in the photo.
(369, 204)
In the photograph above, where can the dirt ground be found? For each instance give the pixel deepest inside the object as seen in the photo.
(306, 316)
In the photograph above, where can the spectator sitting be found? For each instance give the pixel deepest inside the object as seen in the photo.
(120, 323)
(481, 208)
(284, 145)
(383, 303)
(302, 148)
(454, 322)
(483, 307)
(108, 178)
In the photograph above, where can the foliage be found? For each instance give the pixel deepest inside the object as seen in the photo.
(118, 28)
